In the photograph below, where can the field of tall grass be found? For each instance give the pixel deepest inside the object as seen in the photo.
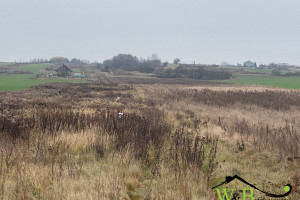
(68, 141)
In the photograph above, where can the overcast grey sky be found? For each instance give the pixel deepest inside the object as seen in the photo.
(207, 31)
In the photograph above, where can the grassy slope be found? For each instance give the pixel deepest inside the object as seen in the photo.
(34, 68)
(256, 70)
(5, 63)
(23, 81)
(274, 81)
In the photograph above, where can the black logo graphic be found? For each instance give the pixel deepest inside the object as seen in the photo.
(228, 179)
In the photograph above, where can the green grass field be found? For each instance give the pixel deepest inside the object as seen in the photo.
(10, 82)
(23, 81)
(5, 63)
(274, 81)
(256, 70)
(34, 68)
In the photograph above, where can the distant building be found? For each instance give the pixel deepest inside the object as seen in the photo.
(249, 64)
(63, 70)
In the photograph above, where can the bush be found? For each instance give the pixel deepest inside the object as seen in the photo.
(203, 73)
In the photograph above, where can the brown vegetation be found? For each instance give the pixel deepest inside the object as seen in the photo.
(67, 141)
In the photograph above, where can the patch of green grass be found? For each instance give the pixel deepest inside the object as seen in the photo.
(256, 70)
(172, 66)
(23, 81)
(34, 68)
(274, 81)
(76, 70)
(5, 63)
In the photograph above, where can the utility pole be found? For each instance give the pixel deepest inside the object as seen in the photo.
(194, 73)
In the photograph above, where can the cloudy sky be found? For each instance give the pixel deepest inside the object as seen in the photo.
(206, 31)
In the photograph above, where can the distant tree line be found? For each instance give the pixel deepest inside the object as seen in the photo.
(277, 72)
(128, 62)
(278, 66)
(151, 65)
(39, 60)
(194, 72)
(154, 65)
(59, 59)
(276, 69)
(291, 74)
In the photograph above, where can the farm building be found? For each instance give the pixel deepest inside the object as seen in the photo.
(249, 64)
(63, 70)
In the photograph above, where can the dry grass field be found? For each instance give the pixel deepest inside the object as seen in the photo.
(176, 140)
